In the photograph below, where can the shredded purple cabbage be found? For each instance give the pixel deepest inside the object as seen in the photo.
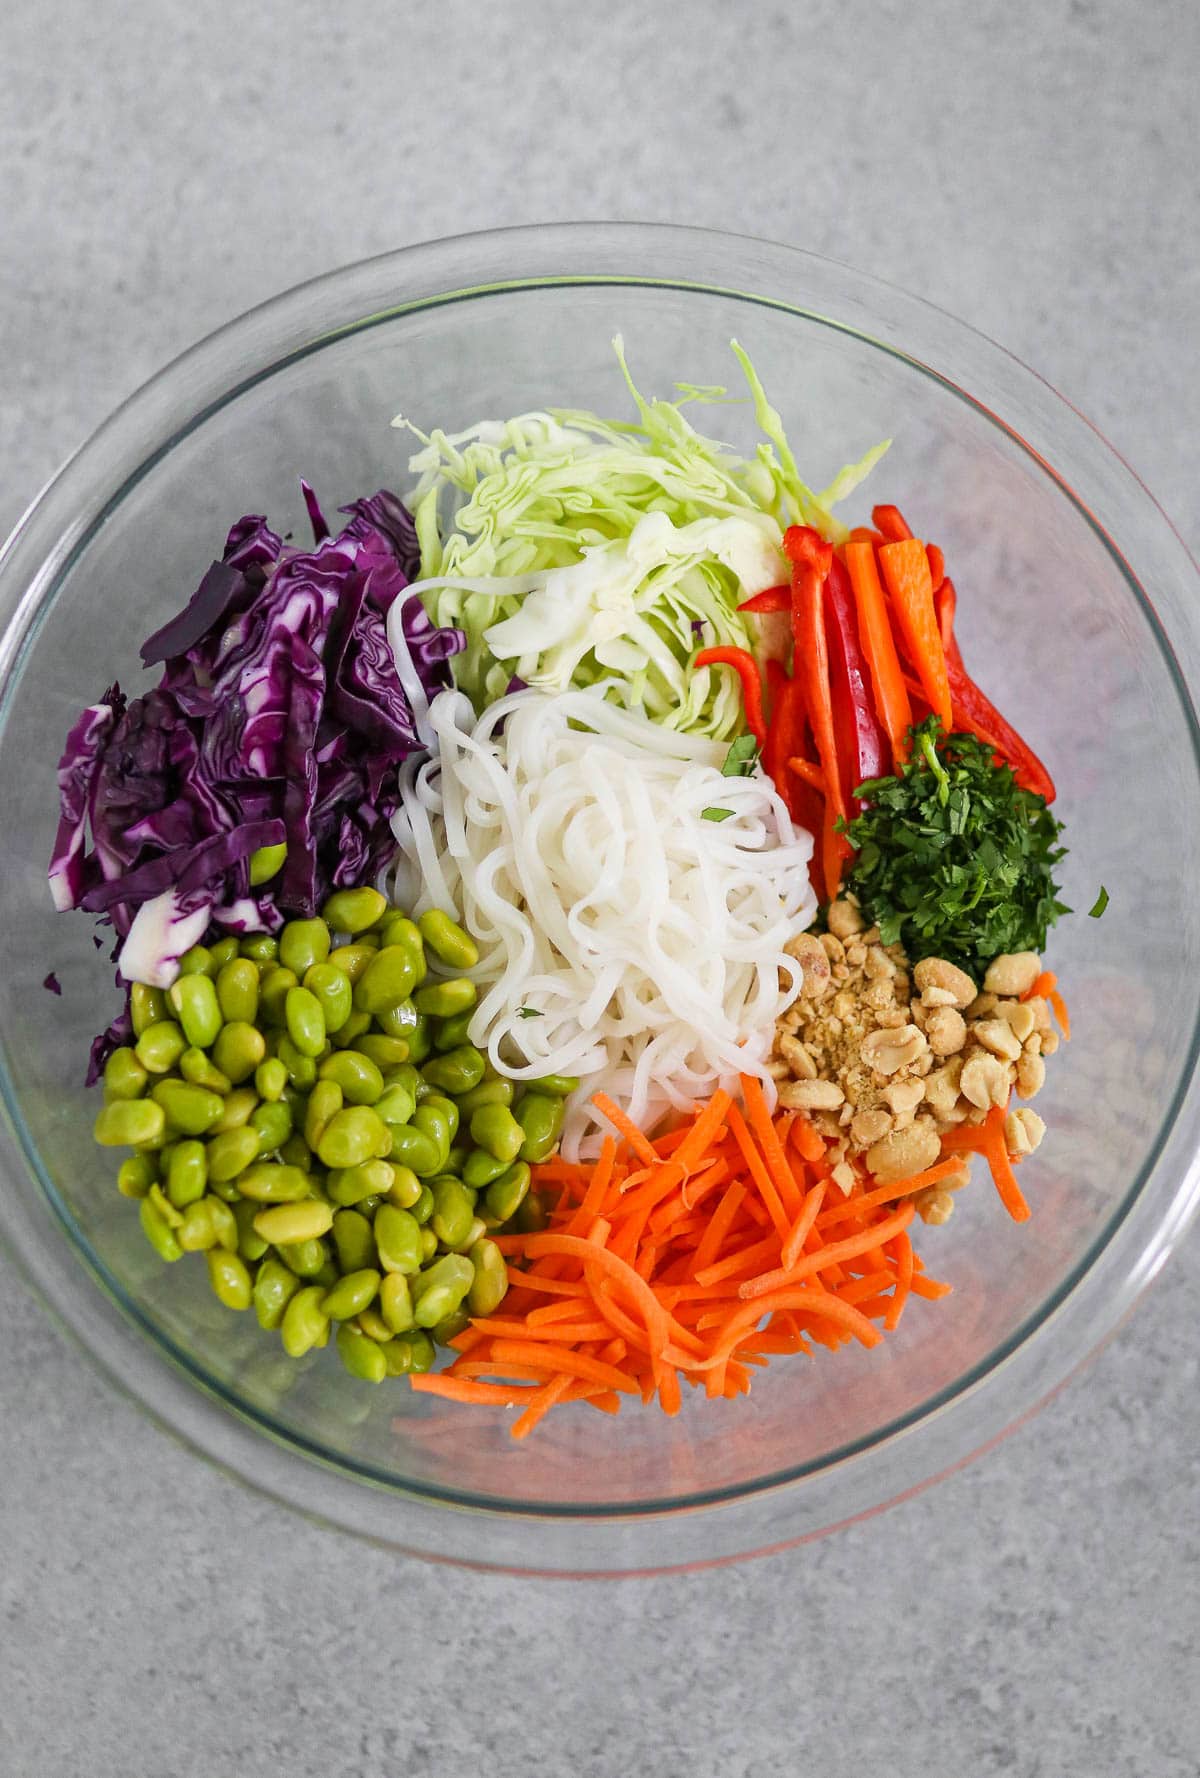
(52, 984)
(279, 718)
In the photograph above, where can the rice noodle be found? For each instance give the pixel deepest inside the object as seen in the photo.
(623, 938)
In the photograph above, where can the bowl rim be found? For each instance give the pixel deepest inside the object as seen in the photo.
(54, 531)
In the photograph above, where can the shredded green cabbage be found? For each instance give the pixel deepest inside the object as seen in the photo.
(572, 549)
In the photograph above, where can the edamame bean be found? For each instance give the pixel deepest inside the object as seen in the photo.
(506, 1194)
(494, 1128)
(555, 1086)
(490, 1283)
(304, 1323)
(239, 1107)
(361, 1356)
(350, 1185)
(429, 1244)
(453, 1209)
(307, 1259)
(373, 1325)
(352, 960)
(197, 1068)
(488, 1092)
(130, 1123)
(229, 1278)
(197, 961)
(270, 1079)
(193, 1000)
(160, 1046)
(395, 1302)
(164, 1206)
(444, 1108)
(275, 983)
(285, 1225)
(353, 1030)
(354, 1241)
(413, 1149)
(398, 1021)
(301, 1070)
(332, 988)
(270, 1182)
(481, 1168)
(398, 1240)
(442, 1000)
(398, 929)
(387, 1053)
(238, 1050)
(352, 1136)
(191, 1110)
(147, 1006)
(450, 1033)
(447, 940)
(238, 991)
(136, 1175)
(196, 1233)
(541, 1119)
(532, 1214)
(233, 1151)
(358, 1077)
(439, 1290)
(324, 1102)
(354, 910)
(274, 1288)
(457, 1071)
(422, 1210)
(449, 1329)
(260, 947)
(295, 1152)
(124, 1076)
(305, 1021)
(267, 862)
(396, 1105)
(409, 1354)
(351, 1294)
(250, 1243)
(159, 1232)
(456, 1160)
(419, 1040)
(303, 943)
(187, 1173)
(405, 1189)
(223, 952)
(386, 981)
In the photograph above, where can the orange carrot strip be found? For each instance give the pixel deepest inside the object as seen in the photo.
(572, 1364)
(562, 1310)
(626, 1127)
(816, 1262)
(809, 773)
(1061, 1014)
(906, 569)
(1041, 986)
(703, 1133)
(668, 1390)
(541, 1404)
(593, 1198)
(458, 1389)
(904, 1278)
(739, 1261)
(887, 1194)
(722, 1217)
(572, 1287)
(502, 1327)
(805, 1138)
(769, 1143)
(879, 646)
(1005, 1180)
(930, 1288)
(794, 1244)
(806, 1303)
(760, 1173)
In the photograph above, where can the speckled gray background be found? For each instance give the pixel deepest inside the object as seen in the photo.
(1031, 167)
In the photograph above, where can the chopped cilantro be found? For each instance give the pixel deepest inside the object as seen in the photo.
(741, 759)
(715, 814)
(528, 1012)
(1101, 902)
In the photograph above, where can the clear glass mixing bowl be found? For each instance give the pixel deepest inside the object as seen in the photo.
(1078, 610)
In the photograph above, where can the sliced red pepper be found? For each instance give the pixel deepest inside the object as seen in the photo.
(788, 738)
(863, 748)
(946, 604)
(976, 713)
(777, 678)
(812, 561)
(774, 598)
(746, 668)
(891, 522)
(937, 566)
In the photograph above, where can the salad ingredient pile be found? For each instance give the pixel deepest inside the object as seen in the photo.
(584, 925)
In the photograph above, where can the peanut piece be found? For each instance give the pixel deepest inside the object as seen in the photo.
(904, 1095)
(1023, 1132)
(904, 1152)
(984, 1081)
(844, 919)
(935, 972)
(946, 1030)
(888, 1051)
(1013, 974)
(810, 954)
(932, 997)
(811, 1095)
(1018, 1016)
(999, 1037)
(869, 1127)
(1031, 1075)
(797, 1058)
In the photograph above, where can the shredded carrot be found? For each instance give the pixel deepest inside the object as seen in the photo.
(625, 1127)
(995, 1149)
(879, 646)
(794, 1245)
(906, 570)
(810, 773)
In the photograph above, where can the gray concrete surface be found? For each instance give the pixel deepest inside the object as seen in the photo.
(1031, 167)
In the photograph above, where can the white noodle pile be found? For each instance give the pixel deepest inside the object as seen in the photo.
(623, 938)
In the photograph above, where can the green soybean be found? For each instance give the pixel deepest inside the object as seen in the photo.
(351, 1136)
(233, 1151)
(324, 1102)
(441, 1108)
(350, 1185)
(449, 1328)
(187, 1173)
(124, 1075)
(285, 1225)
(193, 1000)
(494, 1128)
(129, 1123)
(395, 1302)
(304, 1323)
(422, 1209)
(353, 1030)
(267, 862)
(238, 990)
(541, 1120)
(395, 1105)
(490, 1283)
(229, 1278)
(295, 1152)
(269, 1182)
(196, 1233)
(413, 1149)
(449, 1033)
(353, 910)
(159, 1232)
(197, 961)
(274, 1287)
(532, 1215)
(250, 1243)
(398, 929)
(238, 1050)
(351, 1294)
(555, 1086)
(398, 1240)
(260, 948)
(352, 960)
(270, 1079)
(191, 1110)
(158, 1198)
(440, 1288)
(358, 1077)
(442, 1000)
(239, 1108)
(301, 1069)
(136, 1175)
(303, 943)
(147, 1006)
(481, 1168)
(506, 1193)
(398, 1021)
(453, 1209)
(197, 1068)
(447, 940)
(307, 1259)
(405, 1189)
(361, 1356)
(275, 984)
(387, 1053)
(420, 1040)
(305, 1021)
(373, 1325)
(457, 1071)
(409, 1354)
(160, 1046)
(332, 988)
(354, 1241)
(386, 981)
(223, 952)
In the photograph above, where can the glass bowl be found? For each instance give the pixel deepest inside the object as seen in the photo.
(1078, 608)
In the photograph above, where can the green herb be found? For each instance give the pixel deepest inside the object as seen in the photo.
(1101, 902)
(714, 814)
(741, 759)
(528, 1012)
(954, 859)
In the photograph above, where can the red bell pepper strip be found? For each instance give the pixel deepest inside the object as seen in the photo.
(777, 678)
(746, 668)
(787, 738)
(775, 598)
(879, 646)
(937, 566)
(863, 748)
(812, 559)
(891, 522)
(906, 571)
(945, 601)
(976, 713)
